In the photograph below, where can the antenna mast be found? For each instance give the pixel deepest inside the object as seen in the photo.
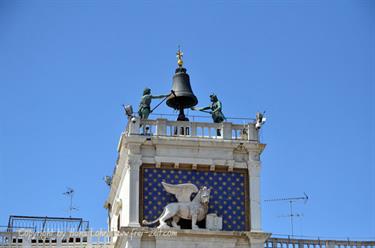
(291, 200)
(70, 193)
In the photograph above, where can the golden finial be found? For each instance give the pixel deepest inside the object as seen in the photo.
(179, 57)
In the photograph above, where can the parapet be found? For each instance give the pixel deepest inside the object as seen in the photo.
(186, 129)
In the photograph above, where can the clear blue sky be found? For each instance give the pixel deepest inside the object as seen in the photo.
(67, 66)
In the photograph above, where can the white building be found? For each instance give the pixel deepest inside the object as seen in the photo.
(234, 154)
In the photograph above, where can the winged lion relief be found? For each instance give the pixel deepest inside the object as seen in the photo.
(194, 210)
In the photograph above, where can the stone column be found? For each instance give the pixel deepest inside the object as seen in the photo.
(130, 209)
(254, 191)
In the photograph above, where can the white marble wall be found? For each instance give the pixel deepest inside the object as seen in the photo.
(135, 149)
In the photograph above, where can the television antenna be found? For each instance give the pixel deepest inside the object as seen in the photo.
(291, 200)
(70, 193)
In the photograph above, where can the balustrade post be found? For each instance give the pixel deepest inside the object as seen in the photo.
(330, 244)
(59, 238)
(274, 244)
(252, 132)
(161, 126)
(26, 242)
(89, 240)
(134, 125)
(227, 130)
(193, 130)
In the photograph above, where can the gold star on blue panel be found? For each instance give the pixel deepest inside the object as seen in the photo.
(227, 197)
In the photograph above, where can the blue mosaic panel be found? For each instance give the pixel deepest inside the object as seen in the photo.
(227, 196)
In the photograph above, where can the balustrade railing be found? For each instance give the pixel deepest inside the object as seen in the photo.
(26, 239)
(206, 130)
(99, 239)
(316, 243)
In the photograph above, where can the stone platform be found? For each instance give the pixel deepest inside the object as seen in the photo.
(172, 238)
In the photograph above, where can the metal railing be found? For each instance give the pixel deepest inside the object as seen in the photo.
(43, 224)
(276, 242)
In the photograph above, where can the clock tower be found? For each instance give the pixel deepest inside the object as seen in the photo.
(189, 157)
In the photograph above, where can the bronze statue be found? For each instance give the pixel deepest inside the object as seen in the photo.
(144, 109)
(216, 109)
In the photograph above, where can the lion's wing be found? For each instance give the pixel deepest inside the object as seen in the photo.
(181, 191)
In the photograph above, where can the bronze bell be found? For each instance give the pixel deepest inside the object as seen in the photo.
(183, 96)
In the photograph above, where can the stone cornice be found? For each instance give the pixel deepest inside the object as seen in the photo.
(192, 142)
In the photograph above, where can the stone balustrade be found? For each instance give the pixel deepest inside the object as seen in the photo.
(204, 130)
(103, 240)
(27, 239)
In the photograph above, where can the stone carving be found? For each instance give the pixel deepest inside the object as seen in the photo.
(194, 210)
(214, 222)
